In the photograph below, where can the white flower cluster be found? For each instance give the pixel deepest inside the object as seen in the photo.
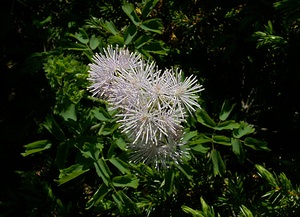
(152, 103)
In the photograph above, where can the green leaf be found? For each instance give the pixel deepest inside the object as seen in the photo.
(101, 114)
(121, 165)
(129, 203)
(264, 173)
(128, 180)
(205, 119)
(169, 182)
(218, 164)
(236, 146)
(116, 39)
(185, 170)
(103, 170)
(200, 148)
(119, 201)
(129, 34)
(91, 150)
(227, 125)
(94, 42)
(110, 27)
(36, 146)
(155, 47)
(222, 140)
(130, 12)
(256, 144)
(189, 135)
(243, 130)
(226, 109)
(81, 36)
(245, 212)
(201, 138)
(142, 40)
(148, 7)
(207, 210)
(62, 154)
(69, 113)
(70, 173)
(124, 202)
(52, 126)
(98, 197)
(193, 212)
(152, 25)
(121, 143)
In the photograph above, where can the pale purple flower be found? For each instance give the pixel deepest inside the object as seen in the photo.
(105, 67)
(152, 104)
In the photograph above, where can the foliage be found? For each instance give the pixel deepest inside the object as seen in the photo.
(76, 159)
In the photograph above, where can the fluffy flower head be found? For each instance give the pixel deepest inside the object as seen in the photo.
(152, 104)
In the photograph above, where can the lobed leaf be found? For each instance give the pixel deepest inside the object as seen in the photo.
(243, 130)
(70, 173)
(152, 25)
(256, 144)
(205, 119)
(120, 165)
(218, 163)
(36, 146)
(226, 109)
(98, 196)
(148, 7)
(128, 180)
(130, 12)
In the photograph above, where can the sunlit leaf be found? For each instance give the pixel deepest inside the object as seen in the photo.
(121, 143)
(192, 212)
(70, 173)
(245, 212)
(94, 42)
(116, 40)
(101, 114)
(264, 173)
(206, 209)
(69, 113)
(189, 135)
(36, 146)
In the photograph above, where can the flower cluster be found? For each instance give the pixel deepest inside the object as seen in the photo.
(152, 103)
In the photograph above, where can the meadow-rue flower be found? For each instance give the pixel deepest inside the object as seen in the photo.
(152, 104)
(105, 66)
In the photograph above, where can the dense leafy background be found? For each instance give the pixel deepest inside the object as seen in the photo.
(244, 52)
